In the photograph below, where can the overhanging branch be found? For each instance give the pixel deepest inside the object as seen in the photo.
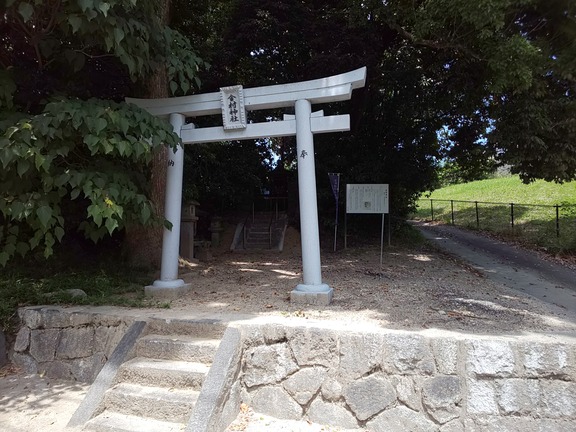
(432, 43)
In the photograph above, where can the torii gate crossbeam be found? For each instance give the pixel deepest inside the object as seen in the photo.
(304, 124)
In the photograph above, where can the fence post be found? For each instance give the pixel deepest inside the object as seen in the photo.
(432, 208)
(452, 207)
(512, 214)
(557, 220)
(477, 216)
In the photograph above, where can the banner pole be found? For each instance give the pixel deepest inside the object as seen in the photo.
(335, 183)
(389, 229)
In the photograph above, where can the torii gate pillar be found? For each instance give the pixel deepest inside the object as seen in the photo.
(169, 286)
(312, 290)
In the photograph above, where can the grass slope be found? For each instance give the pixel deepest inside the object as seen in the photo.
(532, 219)
(510, 189)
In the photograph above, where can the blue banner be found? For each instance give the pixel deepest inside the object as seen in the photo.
(335, 183)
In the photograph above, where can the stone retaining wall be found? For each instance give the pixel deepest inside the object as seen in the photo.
(378, 380)
(399, 381)
(66, 345)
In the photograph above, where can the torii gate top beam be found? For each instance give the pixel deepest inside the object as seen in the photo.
(331, 89)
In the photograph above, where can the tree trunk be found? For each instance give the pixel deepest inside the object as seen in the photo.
(143, 244)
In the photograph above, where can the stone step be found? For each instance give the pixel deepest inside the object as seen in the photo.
(160, 403)
(177, 347)
(258, 234)
(258, 241)
(207, 328)
(163, 373)
(116, 422)
(256, 248)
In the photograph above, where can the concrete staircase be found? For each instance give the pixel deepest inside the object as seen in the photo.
(157, 389)
(264, 232)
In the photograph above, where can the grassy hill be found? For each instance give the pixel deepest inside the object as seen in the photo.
(510, 189)
(542, 214)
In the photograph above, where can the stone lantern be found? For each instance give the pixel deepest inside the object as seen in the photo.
(188, 229)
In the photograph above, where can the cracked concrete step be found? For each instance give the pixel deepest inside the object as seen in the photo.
(116, 422)
(160, 403)
(164, 373)
(177, 347)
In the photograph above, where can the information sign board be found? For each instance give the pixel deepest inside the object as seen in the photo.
(367, 198)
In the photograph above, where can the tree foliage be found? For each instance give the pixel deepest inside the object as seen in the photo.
(470, 83)
(65, 145)
(88, 151)
(522, 55)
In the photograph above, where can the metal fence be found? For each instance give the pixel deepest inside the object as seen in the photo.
(545, 225)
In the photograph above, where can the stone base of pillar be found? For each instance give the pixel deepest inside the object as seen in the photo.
(167, 290)
(318, 295)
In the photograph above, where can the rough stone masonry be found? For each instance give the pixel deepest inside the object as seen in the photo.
(417, 381)
(68, 345)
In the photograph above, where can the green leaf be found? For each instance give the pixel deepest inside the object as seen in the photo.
(118, 35)
(23, 166)
(91, 141)
(96, 214)
(62, 179)
(104, 7)
(44, 214)
(22, 248)
(74, 194)
(111, 224)
(86, 4)
(124, 125)
(59, 233)
(145, 213)
(17, 210)
(100, 182)
(26, 10)
(4, 258)
(173, 87)
(35, 241)
(99, 125)
(48, 243)
(122, 147)
(6, 153)
(75, 22)
(39, 160)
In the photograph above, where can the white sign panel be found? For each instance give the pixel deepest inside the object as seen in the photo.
(233, 109)
(367, 198)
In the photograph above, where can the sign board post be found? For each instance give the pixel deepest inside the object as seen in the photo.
(368, 199)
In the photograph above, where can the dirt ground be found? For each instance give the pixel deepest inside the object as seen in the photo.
(416, 288)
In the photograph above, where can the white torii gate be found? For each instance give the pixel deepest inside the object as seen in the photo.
(232, 102)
